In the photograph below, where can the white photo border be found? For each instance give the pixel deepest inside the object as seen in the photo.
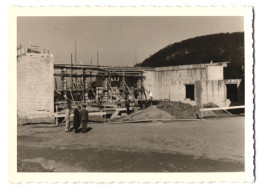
(246, 176)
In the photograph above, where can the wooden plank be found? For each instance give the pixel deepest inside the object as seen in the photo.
(113, 89)
(129, 90)
(56, 115)
(76, 75)
(151, 120)
(222, 108)
(98, 67)
(98, 74)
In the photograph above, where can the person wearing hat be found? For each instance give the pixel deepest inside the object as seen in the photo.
(83, 119)
(76, 119)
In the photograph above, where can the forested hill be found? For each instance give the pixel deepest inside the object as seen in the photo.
(204, 49)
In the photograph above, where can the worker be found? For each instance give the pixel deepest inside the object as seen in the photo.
(67, 118)
(83, 119)
(76, 119)
(131, 107)
(150, 97)
(141, 104)
(127, 105)
(119, 103)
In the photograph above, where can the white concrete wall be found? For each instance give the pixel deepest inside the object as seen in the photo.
(183, 72)
(214, 91)
(169, 83)
(35, 85)
(164, 86)
(215, 73)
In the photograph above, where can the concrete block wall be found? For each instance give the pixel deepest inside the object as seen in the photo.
(164, 86)
(214, 91)
(215, 73)
(183, 72)
(169, 83)
(35, 83)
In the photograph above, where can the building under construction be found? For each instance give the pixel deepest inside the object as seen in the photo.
(44, 88)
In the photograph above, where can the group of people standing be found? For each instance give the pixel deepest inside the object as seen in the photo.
(80, 119)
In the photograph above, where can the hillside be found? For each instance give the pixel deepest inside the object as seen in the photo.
(217, 47)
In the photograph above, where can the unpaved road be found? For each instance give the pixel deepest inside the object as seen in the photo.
(213, 145)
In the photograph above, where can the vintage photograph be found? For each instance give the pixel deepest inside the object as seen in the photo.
(156, 94)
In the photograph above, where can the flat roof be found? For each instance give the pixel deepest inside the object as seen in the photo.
(184, 67)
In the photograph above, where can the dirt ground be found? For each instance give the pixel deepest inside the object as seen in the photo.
(212, 145)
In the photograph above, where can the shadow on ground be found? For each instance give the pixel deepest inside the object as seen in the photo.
(93, 160)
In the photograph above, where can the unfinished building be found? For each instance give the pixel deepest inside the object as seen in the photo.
(44, 88)
(195, 84)
(97, 84)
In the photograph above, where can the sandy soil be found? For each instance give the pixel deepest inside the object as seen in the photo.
(152, 113)
(186, 111)
(208, 145)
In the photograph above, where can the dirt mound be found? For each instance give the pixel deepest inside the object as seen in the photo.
(179, 110)
(152, 113)
(172, 110)
(186, 111)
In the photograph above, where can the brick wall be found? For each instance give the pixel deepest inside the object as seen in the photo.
(35, 85)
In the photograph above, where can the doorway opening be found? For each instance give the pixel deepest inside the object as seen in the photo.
(190, 91)
(232, 92)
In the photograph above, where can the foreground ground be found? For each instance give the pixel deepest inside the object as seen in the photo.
(192, 146)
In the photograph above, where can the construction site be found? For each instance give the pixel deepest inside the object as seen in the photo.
(111, 93)
(174, 117)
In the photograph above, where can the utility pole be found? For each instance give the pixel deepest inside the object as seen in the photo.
(75, 52)
(71, 62)
(201, 99)
(97, 60)
(75, 62)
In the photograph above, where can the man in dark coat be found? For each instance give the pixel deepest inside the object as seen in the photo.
(76, 119)
(83, 119)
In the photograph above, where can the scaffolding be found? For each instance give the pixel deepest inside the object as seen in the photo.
(88, 84)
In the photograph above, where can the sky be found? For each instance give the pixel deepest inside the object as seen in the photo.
(119, 41)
